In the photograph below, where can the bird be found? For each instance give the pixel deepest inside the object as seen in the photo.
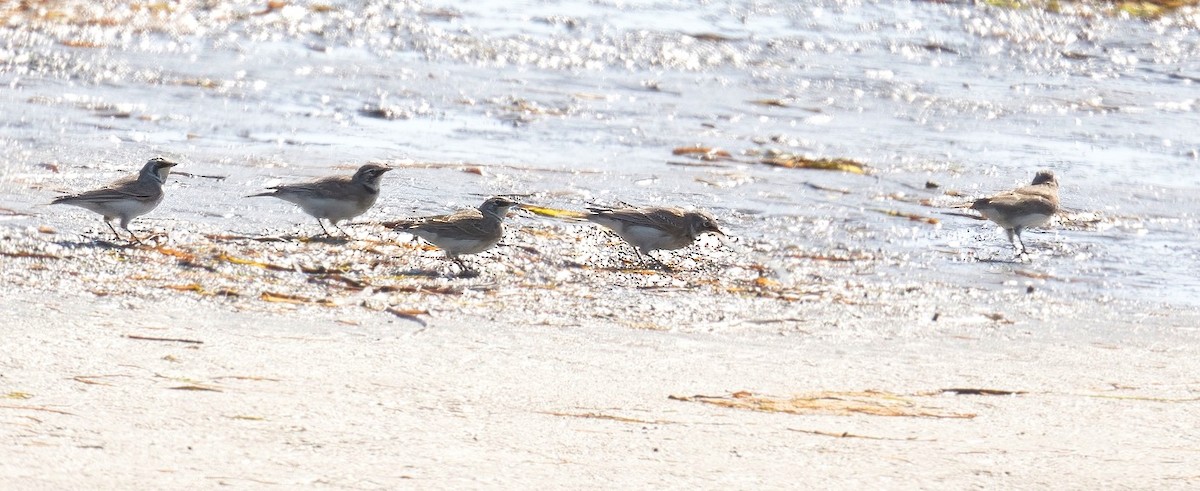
(469, 231)
(126, 198)
(333, 198)
(655, 228)
(1021, 208)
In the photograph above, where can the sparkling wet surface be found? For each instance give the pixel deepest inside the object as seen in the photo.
(574, 103)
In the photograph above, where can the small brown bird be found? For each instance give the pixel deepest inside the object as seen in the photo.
(652, 229)
(1021, 208)
(468, 231)
(333, 198)
(127, 198)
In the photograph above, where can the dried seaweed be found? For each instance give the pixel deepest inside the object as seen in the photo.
(826, 188)
(248, 377)
(176, 253)
(171, 340)
(554, 212)
(30, 255)
(609, 417)
(713, 37)
(703, 153)
(801, 162)
(966, 391)
(408, 314)
(87, 379)
(772, 102)
(14, 213)
(199, 289)
(852, 435)
(441, 289)
(37, 408)
(194, 387)
(1141, 9)
(293, 299)
(1141, 398)
(911, 216)
(874, 403)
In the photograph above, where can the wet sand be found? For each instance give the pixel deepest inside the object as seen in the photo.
(115, 383)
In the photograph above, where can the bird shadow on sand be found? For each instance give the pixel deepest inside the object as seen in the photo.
(1001, 260)
(150, 241)
(321, 239)
(443, 272)
(647, 267)
(305, 239)
(96, 244)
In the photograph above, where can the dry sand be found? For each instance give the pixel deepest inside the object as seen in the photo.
(282, 396)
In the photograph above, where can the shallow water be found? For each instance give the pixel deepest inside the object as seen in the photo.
(578, 102)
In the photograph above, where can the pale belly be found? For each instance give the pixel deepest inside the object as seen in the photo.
(334, 210)
(1016, 221)
(124, 209)
(456, 246)
(651, 239)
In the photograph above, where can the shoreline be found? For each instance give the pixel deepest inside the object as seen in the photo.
(555, 392)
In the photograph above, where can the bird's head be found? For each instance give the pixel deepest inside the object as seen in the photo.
(370, 174)
(701, 222)
(158, 169)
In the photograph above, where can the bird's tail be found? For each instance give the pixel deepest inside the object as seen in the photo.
(970, 204)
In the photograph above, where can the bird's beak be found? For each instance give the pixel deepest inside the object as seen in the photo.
(169, 164)
(718, 231)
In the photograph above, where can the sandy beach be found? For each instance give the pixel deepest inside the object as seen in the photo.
(172, 389)
(858, 329)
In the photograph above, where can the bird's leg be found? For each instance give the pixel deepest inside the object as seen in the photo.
(1011, 235)
(466, 271)
(658, 262)
(335, 225)
(134, 236)
(638, 253)
(114, 230)
(323, 229)
(1021, 241)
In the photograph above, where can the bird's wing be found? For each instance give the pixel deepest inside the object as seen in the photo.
(322, 186)
(666, 218)
(660, 218)
(1032, 201)
(466, 221)
(120, 190)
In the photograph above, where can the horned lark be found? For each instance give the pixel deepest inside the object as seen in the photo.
(466, 232)
(334, 198)
(651, 229)
(1021, 208)
(126, 198)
